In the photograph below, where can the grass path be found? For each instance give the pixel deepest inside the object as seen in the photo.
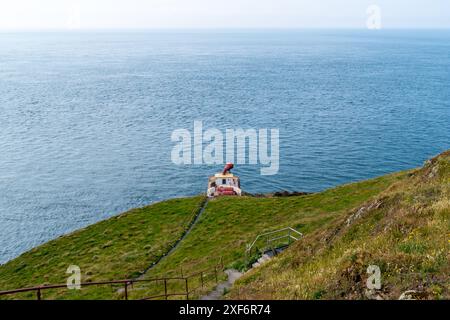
(184, 235)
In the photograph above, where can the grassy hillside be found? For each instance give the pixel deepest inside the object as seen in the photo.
(228, 224)
(399, 222)
(405, 230)
(118, 248)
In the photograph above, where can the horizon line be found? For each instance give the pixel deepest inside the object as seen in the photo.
(215, 29)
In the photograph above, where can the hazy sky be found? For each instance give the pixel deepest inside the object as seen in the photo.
(93, 14)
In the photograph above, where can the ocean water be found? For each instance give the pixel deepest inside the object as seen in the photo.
(86, 118)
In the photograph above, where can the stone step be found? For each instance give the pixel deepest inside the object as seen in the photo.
(267, 256)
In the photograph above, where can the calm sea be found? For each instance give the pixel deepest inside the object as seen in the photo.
(86, 118)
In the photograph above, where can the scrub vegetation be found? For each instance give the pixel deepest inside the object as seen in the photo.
(404, 230)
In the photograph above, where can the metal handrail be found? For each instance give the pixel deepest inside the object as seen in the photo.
(88, 284)
(165, 296)
(126, 283)
(290, 236)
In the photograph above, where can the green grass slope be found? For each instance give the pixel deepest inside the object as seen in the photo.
(404, 230)
(118, 248)
(229, 223)
(398, 222)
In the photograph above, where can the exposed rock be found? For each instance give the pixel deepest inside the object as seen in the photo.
(427, 163)
(433, 173)
(289, 194)
(279, 194)
(372, 295)
(362, 211)
(408, 295)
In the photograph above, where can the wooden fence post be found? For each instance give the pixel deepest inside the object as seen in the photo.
(215, 272)
(165, 288)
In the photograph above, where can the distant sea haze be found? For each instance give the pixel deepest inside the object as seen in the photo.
(86, 118)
